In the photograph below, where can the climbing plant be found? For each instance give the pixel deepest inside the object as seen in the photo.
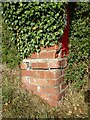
(34, 24)
(79, 45)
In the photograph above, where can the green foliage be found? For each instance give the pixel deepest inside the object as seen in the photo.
(9, 52)
(79, 46)
(34, 24)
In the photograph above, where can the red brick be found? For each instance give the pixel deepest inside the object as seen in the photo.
(42, 95)
(29, 73)
(50, 90)
(57, 73)
(48, 54)
(56, 98)
(52, 82)
(50, 74)
(42, 82)
(33, 56)
(23, 65)
(53, 64)
(26, 87)
(45, 74)
(41, 74)
(56, 63)
(38, 81)
(30, 87)
(39, 65)
(54, 74)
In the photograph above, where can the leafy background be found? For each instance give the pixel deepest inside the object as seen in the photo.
(28, 26)
(79, 46)
(34, 24)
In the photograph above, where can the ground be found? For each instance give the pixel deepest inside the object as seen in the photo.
(18, 103)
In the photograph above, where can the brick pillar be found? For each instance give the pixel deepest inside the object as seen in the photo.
(43, 74)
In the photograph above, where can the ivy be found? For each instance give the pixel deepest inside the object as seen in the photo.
(34, 24)
(79, 46)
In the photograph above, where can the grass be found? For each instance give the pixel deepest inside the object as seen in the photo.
(18, 103)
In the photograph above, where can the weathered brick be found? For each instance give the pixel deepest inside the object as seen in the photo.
(30, 87)
(46, 83)
(39, 65)
(48, 54)
(57, 97)
(56, 63)
(50, 74)
(54, 82)
(44, 96)
(41, 74)
(23, 66)
(54, 74)
(29, 73)
(50, 90)
(38, 81)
